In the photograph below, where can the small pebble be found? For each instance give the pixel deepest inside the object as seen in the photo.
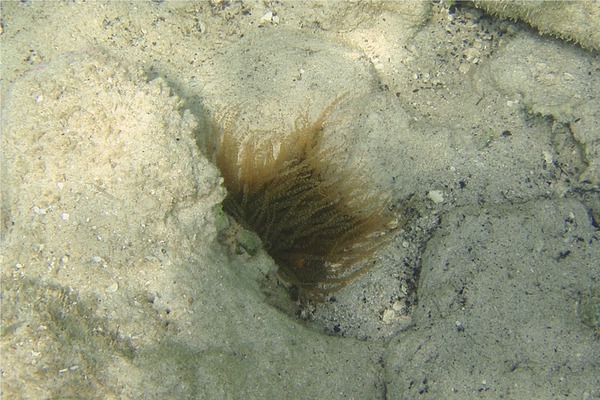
(459, 326)
(265, 19)
(113, 288)
(437, 196)
(39, 211)
(399, 306)
(388, 316)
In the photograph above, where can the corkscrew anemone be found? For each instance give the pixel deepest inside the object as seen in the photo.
(321, 224)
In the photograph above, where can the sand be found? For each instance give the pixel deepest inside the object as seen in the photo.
(116, 280)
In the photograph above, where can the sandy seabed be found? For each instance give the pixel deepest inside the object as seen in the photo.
(115, 283)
